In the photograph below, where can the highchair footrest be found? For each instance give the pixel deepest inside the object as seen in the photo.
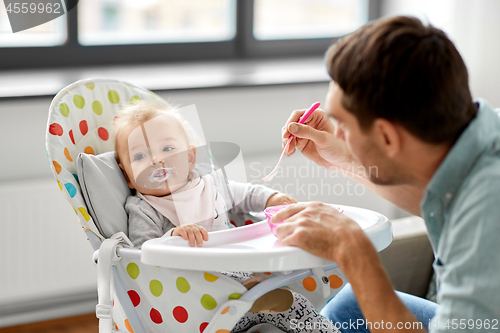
(103, 311)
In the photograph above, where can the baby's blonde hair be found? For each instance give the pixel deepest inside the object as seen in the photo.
(139, 112)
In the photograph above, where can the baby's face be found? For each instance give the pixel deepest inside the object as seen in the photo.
(155, 156)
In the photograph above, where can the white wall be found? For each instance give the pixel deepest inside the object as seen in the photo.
(474, 27)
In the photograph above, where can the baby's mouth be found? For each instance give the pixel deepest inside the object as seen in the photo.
(160, 174)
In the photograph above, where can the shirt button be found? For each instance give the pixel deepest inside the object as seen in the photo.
(431, 214)
(448, 195)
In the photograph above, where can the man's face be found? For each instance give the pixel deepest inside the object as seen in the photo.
(378, 167)
(156, 157)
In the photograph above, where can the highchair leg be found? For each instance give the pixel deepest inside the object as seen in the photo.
(109, 283)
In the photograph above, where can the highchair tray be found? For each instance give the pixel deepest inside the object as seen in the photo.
(254, 248)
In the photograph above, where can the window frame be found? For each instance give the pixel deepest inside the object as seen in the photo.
(242, 46)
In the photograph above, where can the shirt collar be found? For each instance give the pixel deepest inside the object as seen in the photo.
(471, 144)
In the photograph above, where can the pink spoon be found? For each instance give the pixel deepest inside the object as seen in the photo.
(302, 119)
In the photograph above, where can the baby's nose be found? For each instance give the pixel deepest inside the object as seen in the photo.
(157, 158)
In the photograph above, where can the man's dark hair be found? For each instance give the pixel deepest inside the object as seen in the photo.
(403, 71)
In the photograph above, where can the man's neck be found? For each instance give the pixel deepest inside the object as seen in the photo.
(424, 161)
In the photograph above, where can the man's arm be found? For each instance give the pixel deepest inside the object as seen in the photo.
(323, 231)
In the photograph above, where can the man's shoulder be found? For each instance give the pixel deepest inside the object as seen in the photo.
(484, 177)
(477, 199)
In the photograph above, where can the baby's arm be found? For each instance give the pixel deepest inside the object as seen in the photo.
(191, 232)
(280, 199)
(255, 198)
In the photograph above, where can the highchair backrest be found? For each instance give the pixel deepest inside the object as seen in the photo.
(81, 121)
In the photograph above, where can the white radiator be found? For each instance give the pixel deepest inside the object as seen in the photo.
(46, 269)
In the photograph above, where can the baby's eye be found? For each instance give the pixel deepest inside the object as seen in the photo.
(139, 157)
(168, 148)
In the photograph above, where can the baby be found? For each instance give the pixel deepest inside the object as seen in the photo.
(156, 153)
(175, 196)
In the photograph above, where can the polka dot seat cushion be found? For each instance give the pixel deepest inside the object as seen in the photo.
(81, 120)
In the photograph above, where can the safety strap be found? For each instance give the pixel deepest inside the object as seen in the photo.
(106, 258)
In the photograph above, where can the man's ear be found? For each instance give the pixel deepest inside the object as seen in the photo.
(192, 157)
(126, 176)
(387, 137)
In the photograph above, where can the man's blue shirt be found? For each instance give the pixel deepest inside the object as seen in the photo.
(461, 208)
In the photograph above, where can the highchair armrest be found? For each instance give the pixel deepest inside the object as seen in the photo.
(128, 252)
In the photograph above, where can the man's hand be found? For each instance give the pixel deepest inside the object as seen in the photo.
(316, 139)
(321, 230)
(192, 233)
(280, 199)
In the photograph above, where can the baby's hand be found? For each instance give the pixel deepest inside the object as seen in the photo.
(280, 199)
(193, 233)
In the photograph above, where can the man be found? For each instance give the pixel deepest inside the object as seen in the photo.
(400, 97)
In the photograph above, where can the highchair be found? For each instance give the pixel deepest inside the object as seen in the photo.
(167, 286)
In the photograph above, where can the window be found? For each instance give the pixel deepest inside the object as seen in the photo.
(102, 22)
(307, 19)
(100, 32)
(52, 33)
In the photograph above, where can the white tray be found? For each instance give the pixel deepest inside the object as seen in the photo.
(254, 248)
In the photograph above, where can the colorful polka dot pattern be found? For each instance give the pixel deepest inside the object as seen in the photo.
(84, 213)
(133, 270)
(128, 326)
(309, 284)
(89, 150)
(210, 277)
(71, 136)
(56, 129)
(156, 317)
(103, 133)
(64, 109)
(134, 297)
(84, 128)
(79, 101)
(57, 167)
(208, 302)
(234, 296)
(85, 111)
(113, 96)
(81, 121)
(71, 189)
(90, 86)
(192, 308)
(182, 285)
(203, 326)
(335, 281)
(97, 107)
(67, 155)
(156, 287)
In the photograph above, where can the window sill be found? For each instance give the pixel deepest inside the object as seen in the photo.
(178, 76)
